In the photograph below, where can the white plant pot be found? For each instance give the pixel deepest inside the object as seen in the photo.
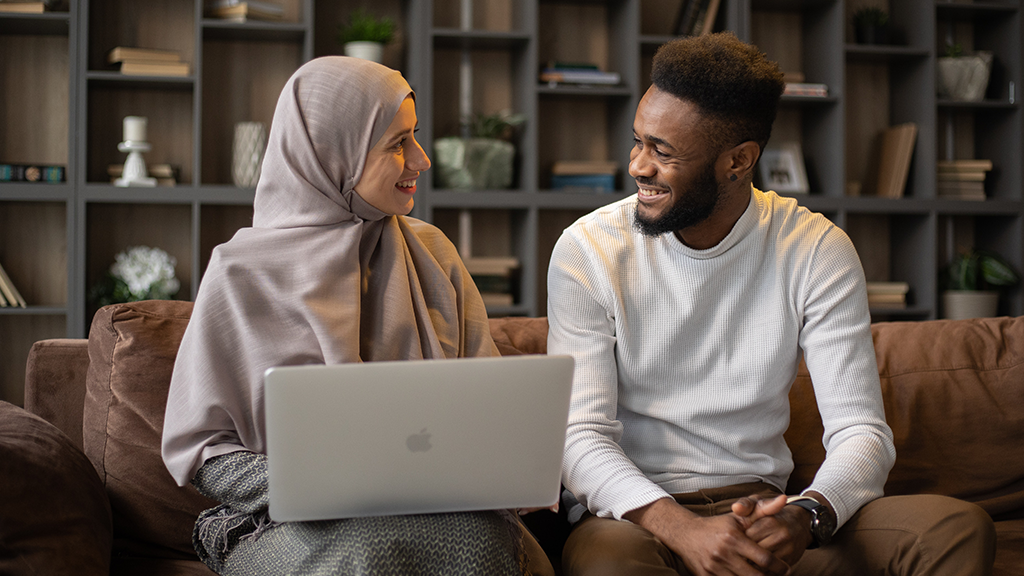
(964, 78)
(963, 304)
(373, 51)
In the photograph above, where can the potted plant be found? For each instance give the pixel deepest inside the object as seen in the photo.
(971, 283)
(138, 273)
(871, 26)
(485, 160)
(365, 35)
(963, 76)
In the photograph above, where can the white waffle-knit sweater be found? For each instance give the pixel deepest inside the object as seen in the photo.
(684, 358)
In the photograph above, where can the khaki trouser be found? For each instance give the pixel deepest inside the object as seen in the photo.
(898, 535)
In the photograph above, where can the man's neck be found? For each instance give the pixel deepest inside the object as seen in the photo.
(716, 227)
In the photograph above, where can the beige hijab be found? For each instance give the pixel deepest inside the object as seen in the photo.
(321, 277)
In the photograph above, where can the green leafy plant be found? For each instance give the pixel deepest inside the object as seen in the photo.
(364, 27)
(871, 16)
(499, 126)
(954, 50)
(979, 270)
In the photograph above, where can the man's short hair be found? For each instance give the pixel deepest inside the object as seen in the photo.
(731, 82)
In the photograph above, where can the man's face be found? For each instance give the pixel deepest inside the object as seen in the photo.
(672, 165)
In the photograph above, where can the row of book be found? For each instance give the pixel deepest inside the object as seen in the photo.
(242, 10)
(592, 175)
(578, 73)
(888, 294)
(9, 295)
(696, 17)
(962, 179)
(31, 173)
(32, 7)
(495, 278)
(813, 89)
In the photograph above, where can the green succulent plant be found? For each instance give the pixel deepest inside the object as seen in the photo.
(871, 16)
(979, 270)
(365, 27)
(499, 125)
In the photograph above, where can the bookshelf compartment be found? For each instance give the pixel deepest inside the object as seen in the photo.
(218, 223)
(897, 248)
(169, 131)
(997, 233)
(20, 332)
(159, 24)
(33, 250)
(113, 228)
(494, 15)
(34, 103)
(241, 82)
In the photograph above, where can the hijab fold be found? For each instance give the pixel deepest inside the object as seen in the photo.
(321, 277)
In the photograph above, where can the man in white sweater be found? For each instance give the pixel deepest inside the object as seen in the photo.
(687, 308)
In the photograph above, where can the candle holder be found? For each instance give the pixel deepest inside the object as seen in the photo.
(134, 172)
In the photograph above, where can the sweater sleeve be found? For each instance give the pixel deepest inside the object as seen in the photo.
(840, 356)
(581, 324)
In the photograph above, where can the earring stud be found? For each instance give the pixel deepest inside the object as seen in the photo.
(733, 177)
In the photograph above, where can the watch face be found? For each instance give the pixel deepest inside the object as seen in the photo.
(822, 526)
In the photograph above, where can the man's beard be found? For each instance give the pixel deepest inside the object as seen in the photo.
(688, 210)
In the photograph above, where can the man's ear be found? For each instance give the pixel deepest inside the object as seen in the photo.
(739, 161)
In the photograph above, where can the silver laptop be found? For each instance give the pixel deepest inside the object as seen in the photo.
(418, 436)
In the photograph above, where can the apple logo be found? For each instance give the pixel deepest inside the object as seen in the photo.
(419, 442)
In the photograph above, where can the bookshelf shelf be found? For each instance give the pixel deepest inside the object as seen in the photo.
(239, 68)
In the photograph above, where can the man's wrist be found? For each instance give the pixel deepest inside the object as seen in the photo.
(822, 518)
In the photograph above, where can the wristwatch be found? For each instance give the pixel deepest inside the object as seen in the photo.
(823, 523)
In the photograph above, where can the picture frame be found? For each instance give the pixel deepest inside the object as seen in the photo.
(782, 169)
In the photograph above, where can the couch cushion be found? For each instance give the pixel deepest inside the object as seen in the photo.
(131, 351)
(54, 514)
(517, 335)
(55, 383)
(954, 398)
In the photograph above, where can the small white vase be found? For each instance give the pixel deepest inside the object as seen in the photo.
(247, 153)
(963, 304)
(373, 51)
(964, 78)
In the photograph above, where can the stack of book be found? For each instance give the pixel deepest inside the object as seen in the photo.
(148, 62)
(887, 294)
(165, 174)
(591, 174)
(696, 17)
(813, 89)
(30, 7)
(494, 277)
(9, 295)
(577, 73)
(242, 10)
(962, 179)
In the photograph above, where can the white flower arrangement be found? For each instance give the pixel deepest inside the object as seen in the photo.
(138, 273)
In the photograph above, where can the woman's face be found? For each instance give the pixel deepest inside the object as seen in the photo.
(388, 182)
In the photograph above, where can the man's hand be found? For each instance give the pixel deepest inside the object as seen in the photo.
(783, 530)
(709, 546)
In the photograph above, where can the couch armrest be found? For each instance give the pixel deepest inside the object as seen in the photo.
(55, 383)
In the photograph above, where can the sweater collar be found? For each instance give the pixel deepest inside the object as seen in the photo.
(740, 230)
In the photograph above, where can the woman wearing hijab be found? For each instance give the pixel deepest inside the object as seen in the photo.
(331, 271)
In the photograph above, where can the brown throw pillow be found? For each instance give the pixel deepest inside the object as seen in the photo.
(132, 348)
(54, 514)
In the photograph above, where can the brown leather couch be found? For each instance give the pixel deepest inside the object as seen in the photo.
(84, 491)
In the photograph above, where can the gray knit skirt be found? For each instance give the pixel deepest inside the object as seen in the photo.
(238, 537)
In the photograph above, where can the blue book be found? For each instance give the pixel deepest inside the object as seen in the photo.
(600, 182)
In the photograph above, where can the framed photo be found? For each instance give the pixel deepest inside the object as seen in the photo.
(782, 169)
